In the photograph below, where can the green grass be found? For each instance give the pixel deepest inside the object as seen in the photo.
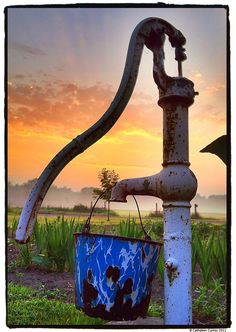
(211, 302)
(156, 310)
(29, 307)
(26, 307)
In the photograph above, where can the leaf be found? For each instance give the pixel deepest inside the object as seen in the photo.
(38, 260)
(161, 265)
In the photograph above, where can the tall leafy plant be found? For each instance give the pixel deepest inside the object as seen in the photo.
(210, 254)
(55, 244)
(129, 228)
(161, 265)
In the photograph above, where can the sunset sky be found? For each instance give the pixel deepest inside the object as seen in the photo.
(64, 68)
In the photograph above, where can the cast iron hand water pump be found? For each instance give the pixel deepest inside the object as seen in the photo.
(175, 184)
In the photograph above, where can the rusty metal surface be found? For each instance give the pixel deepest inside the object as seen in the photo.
(178, 267)
(120, 238)
(175, 184)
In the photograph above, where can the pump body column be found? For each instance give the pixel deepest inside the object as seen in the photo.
(178, 187)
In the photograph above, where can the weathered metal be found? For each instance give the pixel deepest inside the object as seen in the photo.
(178, 276)
(176, 185)
(150, 32)
(173, 181)
(114, 275)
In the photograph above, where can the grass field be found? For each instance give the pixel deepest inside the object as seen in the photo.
(97, 219)
(101, 219)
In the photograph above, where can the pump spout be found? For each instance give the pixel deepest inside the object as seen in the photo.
(147, 186)
(172, 183)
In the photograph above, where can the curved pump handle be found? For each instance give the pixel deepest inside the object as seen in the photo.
(150, 32)
(154, 33)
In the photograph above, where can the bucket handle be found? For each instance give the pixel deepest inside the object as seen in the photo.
(86, 227)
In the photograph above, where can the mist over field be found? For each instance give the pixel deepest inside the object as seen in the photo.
(65, 197)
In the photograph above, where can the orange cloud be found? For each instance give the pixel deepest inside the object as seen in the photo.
(64, 108)
(44, 115)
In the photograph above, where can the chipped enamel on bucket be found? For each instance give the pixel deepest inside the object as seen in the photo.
(114, 275)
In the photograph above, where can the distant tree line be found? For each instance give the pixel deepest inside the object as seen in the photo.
(64, 197)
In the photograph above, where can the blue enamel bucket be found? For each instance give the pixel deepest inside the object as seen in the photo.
(113, 275)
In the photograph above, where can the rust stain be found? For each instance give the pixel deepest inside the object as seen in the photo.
(123, 308)
(146, 185)
(171, 121)
(143, 254)
(172, 272)
(113, 273)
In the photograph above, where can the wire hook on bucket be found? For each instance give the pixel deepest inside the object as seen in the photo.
(147, 237)
(86, 227)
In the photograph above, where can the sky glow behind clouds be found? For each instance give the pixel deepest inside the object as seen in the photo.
(64, 68)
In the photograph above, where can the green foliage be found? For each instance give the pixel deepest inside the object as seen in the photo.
(196, 216)
(53, 294)
(203, 229)
(39, 236)
(14, 210)
(55, 209)
(20, 293)
(161, 265)
(155, 214)
(85, 209)
(25, 257)
(156, 230)
(211, 302)
(81, 208)
(219, 257)
(210, 254)
(55, 244)
(108, 179)
(129, 228)
(13, 227)
(204, 256)
(26, 307)
(194, 251)
(156, 310)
